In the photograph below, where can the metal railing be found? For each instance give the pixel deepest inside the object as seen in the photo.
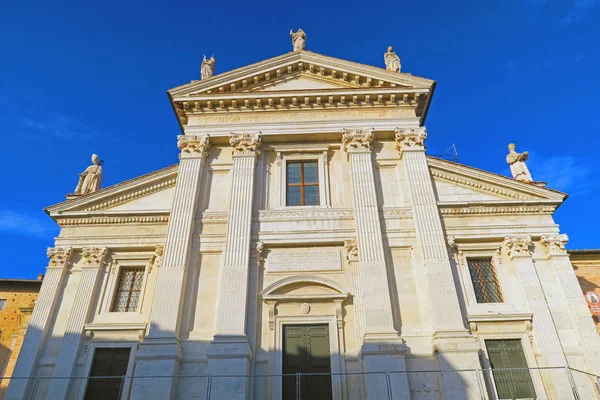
(481, 384)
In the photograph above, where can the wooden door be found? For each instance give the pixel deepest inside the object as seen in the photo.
(107, 362)
(306, 350)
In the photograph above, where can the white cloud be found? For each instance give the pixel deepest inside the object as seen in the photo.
(569, 174)
(60, 126)
(22, 223)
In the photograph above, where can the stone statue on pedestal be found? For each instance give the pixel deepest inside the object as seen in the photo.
(90, 179)
(298, 39)
(392, 61)
(208, 67)
(519, 170)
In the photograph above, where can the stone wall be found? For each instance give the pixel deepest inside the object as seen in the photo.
(587, 268)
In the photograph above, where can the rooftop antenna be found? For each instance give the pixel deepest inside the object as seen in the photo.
(451, 154)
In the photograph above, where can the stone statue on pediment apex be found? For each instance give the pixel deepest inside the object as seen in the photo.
(208, 67)
(90, 179)
(518, 168)
(298, 39)
(392, 61)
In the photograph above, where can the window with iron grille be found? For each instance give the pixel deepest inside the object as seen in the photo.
(509, 369)
(129, 288)
(2, 304)
(485, 281)
(302, 183)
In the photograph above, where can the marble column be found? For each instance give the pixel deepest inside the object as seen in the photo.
(544, 332)
(382, 349)
(579, 313)
(445, 308)
(37, 329)
(229, 353)
(160, 353)
(92, 262)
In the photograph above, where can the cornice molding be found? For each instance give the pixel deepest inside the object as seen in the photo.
(449, 210)
(127, 197)
(476, 185)
(121, 220)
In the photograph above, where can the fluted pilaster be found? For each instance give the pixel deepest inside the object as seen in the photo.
(544, 331)
(38, 324)
(92, 261)
(231, 318)
(578, 309)
(430, 234)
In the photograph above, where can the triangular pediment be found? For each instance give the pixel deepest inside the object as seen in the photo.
(458, 183)
(290, 71)
(148, 194)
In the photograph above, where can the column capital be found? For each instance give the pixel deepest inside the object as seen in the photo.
(193, 146)
(357, 140)
(517, 245)
(410, 139)
(245, 144)
(351, 248)
(93, 256)
(555, 244)
(60, 257)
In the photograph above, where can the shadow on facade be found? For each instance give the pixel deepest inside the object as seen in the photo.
(358, 376)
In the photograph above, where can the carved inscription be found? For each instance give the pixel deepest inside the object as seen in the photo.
(305, 259)
(313, 115)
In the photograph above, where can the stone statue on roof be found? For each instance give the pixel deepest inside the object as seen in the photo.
(519, 170)
(208, 67)
(392, 61)
(90, 179)
(298, 39)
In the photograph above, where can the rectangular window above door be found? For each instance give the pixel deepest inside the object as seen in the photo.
(302, 183)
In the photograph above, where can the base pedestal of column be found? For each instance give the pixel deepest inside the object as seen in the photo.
(459, 353)
(383, 361)
(229, 363)
(156, 364)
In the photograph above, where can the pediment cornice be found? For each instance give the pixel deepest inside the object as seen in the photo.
(255, 88)
(489, 182)
(118, 194)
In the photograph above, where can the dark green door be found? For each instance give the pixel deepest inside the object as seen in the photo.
(107, 362)
(515, 383)
(306, 350)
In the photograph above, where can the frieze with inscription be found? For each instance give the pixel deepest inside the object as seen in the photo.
(304, 259)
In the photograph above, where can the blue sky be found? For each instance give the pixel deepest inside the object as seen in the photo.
(80, 78)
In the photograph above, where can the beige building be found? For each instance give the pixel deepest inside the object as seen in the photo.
(586, 264)
(305, 230)
(17, 298)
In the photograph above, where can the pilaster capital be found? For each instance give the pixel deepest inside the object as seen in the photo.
(351, 249)
(193, 146)
(517, 245)
(60, 257)
(357, 140)
(93, 256)
(245, 144)
(555, 244)
(410, 139)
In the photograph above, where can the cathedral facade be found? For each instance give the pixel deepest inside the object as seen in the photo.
(305, 231)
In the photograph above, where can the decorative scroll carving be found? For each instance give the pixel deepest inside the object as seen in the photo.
(257, 252)
(351, 248)
(158, 254)
(357, 140)
(245, 144)
(181, 114)
(555, 244)
(517, 245)
(193, 146)
(305, 308)
(410, 139)
(60, 257)
(94, 256)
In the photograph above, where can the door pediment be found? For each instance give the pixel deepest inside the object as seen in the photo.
(304, 287)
